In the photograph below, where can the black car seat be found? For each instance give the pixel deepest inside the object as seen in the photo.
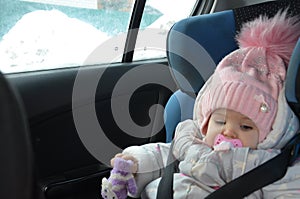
(16, 154)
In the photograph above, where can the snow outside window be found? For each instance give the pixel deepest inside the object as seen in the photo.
(48, 34)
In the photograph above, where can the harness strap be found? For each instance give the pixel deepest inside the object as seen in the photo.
(165, 187)
(261, 176)
(244, 185)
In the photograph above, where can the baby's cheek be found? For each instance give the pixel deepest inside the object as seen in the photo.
(208, 141)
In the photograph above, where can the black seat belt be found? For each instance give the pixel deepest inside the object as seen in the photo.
(165, 187)
(243, 185)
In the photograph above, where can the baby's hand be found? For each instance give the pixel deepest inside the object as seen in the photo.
(126, 157)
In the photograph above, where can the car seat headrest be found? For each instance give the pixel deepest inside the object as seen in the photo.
(269, 9)
(195, 45)
(193, 48)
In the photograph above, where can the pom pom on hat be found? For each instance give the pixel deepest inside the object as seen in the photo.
(249, 79)
(277, 35)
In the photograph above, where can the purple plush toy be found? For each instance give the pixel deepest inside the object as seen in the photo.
(120, 182)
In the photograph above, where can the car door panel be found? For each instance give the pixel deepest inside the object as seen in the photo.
(63, 164)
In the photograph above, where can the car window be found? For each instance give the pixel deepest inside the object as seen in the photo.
(151, 41)
(47, 34)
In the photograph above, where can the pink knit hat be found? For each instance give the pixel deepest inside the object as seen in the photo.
(249, 79)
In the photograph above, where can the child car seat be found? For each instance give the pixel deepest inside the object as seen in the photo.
(292, 88)
(194, 47)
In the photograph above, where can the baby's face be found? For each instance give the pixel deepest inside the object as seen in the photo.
(232, 125)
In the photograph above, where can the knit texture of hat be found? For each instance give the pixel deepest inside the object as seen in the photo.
(249, 79)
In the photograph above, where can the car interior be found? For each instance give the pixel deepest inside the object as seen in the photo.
(44, 156)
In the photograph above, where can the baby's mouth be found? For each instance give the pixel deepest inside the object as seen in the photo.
(221, 138)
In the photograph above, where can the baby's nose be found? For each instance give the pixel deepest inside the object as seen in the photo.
(229, 132)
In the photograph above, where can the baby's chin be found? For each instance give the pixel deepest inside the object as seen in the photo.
(205, 141)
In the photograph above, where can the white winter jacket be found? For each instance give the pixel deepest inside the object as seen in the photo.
(203, 170)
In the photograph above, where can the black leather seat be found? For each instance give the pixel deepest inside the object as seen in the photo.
(16, 170)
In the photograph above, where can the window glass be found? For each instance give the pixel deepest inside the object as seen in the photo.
(151, 42)
(43, 34)
(47, 34)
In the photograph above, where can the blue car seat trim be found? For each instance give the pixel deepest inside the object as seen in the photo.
(179, 107)
(191, 68)
(292, 72)
(186, 61)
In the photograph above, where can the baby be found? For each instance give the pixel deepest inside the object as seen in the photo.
(241, 119)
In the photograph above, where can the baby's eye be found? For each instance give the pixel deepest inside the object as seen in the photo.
(220, 122)
(246, 127)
